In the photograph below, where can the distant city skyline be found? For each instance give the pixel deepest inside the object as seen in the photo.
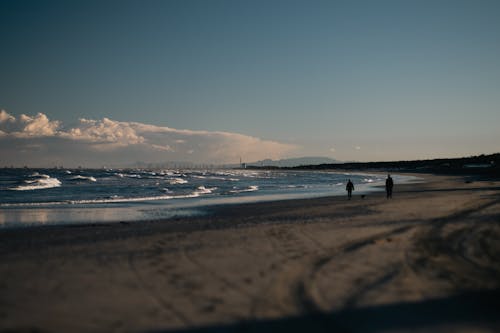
(115, 82)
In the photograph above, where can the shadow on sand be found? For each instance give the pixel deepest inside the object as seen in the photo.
(473, 310)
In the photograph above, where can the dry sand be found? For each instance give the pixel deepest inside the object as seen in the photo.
(426, 261)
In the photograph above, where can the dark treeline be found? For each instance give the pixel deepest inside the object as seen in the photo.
(482, 164)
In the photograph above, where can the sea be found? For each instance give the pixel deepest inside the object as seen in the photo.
(35, 197)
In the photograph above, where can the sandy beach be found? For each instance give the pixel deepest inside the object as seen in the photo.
(426, 261)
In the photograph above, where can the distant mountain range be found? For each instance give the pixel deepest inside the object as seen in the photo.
(294, 162)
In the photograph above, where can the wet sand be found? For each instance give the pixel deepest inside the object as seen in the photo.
(426, 261)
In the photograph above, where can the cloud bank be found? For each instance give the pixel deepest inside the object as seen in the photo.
(39, 141)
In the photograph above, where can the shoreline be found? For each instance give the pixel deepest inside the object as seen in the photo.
(63, 213)
(322, 264)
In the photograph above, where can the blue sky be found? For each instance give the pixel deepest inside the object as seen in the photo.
(352, 80)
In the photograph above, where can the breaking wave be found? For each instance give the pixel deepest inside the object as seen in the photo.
(251, 188)
(201, 190)
(89, 178)
(39, 182)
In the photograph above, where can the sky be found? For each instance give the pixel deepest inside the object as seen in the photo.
(97, 83)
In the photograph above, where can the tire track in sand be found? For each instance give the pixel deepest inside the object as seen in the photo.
(254, 300)
(308, 291)
(454, 256)
(287, 271)
(152, 294)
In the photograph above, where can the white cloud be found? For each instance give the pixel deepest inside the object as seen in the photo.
(115, 142)
(26, 126)
(5, 117)
(37, 126)
(105, 131)
(357, 147)
(332, 149)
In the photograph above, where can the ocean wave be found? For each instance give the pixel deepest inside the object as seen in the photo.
(252, 175)
(177, 181)
(204, 190)
(299, 186)
(39, 175)
(40, 183)
(128, 175)
(200, 190)
(251, 188)
(133, 175)
(110, 200)
(89, 178)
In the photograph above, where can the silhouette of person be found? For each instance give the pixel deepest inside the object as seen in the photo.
(349, 188)
(389, 184)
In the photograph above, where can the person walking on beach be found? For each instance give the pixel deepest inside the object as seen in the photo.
(389, 184)
(349, 188)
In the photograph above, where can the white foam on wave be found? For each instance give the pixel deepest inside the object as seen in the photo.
(251, 175)
(251, 188)
(298, 186)
(176, 181)
(200, 190)
(40, 183)
(109, 200)
(144, 175)
(89, 178)
(128, 175)
(133, 175)
(204, 190)
(39, 175)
